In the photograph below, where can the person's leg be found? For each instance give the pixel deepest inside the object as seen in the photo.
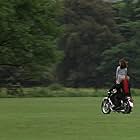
(116, 97)
(116, 101)
(129, 94)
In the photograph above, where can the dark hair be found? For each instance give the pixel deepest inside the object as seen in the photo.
(123, 63)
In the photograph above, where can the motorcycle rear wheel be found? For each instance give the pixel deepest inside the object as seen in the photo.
(128, 109)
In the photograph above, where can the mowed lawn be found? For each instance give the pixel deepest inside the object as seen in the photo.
(65, 119)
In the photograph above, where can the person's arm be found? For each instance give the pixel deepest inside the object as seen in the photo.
(117, 71)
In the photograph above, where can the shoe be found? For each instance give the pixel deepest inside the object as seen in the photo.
(114, 90)
(109, 92)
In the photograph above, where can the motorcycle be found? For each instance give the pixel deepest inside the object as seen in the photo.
(126, 104)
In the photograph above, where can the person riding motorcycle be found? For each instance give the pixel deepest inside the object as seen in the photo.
(121, 88)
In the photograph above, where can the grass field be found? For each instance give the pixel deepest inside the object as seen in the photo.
(76, 118)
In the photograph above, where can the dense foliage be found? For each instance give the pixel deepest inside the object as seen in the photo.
(92, 34)
(29, 32)
(93, 43)
(90, 29)
(128, 19)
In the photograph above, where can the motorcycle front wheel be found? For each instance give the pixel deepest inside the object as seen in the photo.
(105, 106)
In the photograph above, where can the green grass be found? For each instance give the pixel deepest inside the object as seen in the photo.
(65, 119)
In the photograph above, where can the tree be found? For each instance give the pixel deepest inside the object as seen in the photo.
(29, 32)
(127, 17)
(89, 30)
(129, 25)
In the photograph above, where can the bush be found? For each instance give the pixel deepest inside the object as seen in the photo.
(57, 90)
(56, 86)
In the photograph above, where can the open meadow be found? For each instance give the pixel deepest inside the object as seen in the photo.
(66, 118)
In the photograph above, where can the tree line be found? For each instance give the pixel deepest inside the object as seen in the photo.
(73, 42)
